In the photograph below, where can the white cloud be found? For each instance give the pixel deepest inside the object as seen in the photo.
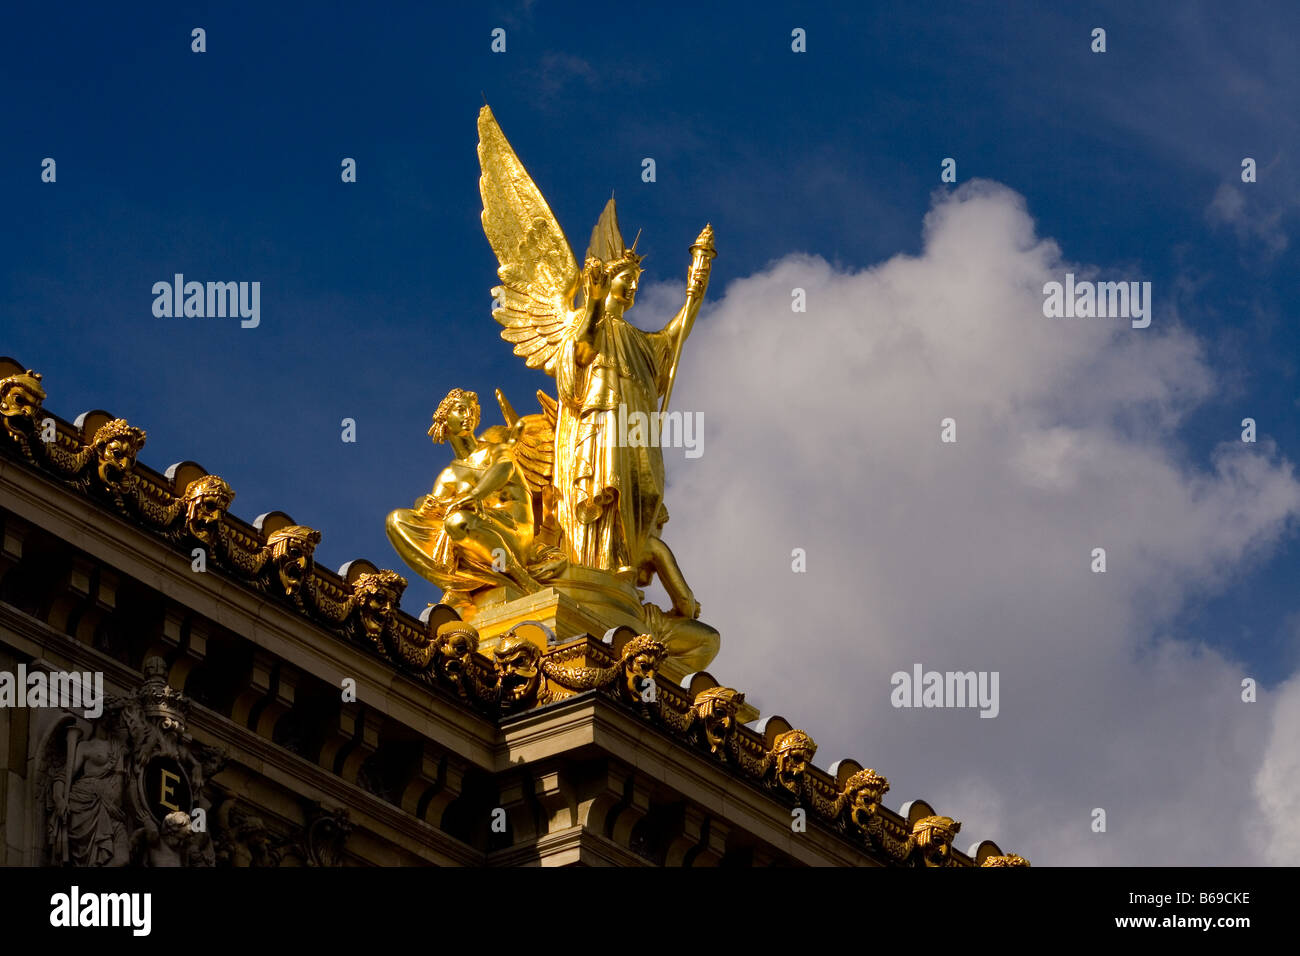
(1277, 785)
(822, 432)
(1229, 208)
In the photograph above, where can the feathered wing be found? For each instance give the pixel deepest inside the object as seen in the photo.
(606, 239)
(535, 449)
(539, 277)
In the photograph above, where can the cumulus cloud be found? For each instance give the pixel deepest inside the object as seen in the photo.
(1277, 784)
(823, 433)
(1251, 222)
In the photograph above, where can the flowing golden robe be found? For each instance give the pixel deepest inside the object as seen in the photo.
(630, 369)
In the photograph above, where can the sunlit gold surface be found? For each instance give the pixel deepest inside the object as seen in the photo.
(532, 502)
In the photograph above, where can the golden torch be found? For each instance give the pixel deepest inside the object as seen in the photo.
(697, 279)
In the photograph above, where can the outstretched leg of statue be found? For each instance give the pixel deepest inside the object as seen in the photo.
(690, 641)
(487, 545)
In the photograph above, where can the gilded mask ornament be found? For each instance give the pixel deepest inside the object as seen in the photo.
(717, 708)
(457, 642)
(292, 555)
(864, 792)
(376, 595)
(641, 657)
(20, 402)
(934, 836)
(518, 673)
(792, 755)
(116, 445)
(206, 501)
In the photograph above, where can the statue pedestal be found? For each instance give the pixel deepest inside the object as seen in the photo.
(582, 601)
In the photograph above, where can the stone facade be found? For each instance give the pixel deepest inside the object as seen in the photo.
(262, 711)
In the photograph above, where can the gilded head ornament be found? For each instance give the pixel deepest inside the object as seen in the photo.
(116, 444)
(934, 836)
(457, 641)
(206, 501)
(21, 394)
(119, 430)
(716, 708)
(792, 753)
(292, 550)
(518, 673)
(210, 486)
(864, 791)
(439, 431)
(377, 594)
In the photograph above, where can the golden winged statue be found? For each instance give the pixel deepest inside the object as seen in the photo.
(561, 498)
(609, 496)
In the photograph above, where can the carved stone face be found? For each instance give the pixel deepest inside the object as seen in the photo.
(377, 609)
(517, 669)
(135, 722)
(293, 555)
(455, 648)
(206, 502)
(377, 596)
(641, 659)
(116, 444)
(204, 519)
(792, 765)
(934, 836)
(20, 402)
(295, 565)
(717, 708)
(792, 755)
(176, 829)
(865, 791)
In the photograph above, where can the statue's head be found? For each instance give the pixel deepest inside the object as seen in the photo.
(292, 554)
(934, 836)
(864, 790)
(792, 754)
(116, 444)
(641, 657)
(717, 708)
(518, 669)
(377, 594)
(206, 501)
(456, 643)
(175, 828)
(457, 414)
(624, 277)
(20, 400)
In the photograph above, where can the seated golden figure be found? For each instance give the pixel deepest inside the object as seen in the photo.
(477, 528)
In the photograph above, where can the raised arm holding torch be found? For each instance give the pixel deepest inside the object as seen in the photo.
(697, 281)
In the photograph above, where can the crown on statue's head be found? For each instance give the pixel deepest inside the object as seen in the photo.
(157, 698)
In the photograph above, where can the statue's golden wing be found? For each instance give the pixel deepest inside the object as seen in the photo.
(539, 277)
(606, 238)
(535, 447)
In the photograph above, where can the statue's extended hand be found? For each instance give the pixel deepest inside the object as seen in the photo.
(464, 503)
(595, 279)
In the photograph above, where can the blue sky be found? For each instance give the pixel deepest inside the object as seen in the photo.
(225, 166)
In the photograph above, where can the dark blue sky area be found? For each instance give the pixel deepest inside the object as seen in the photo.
(225, 166)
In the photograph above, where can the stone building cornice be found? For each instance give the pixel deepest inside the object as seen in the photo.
(534, 697)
